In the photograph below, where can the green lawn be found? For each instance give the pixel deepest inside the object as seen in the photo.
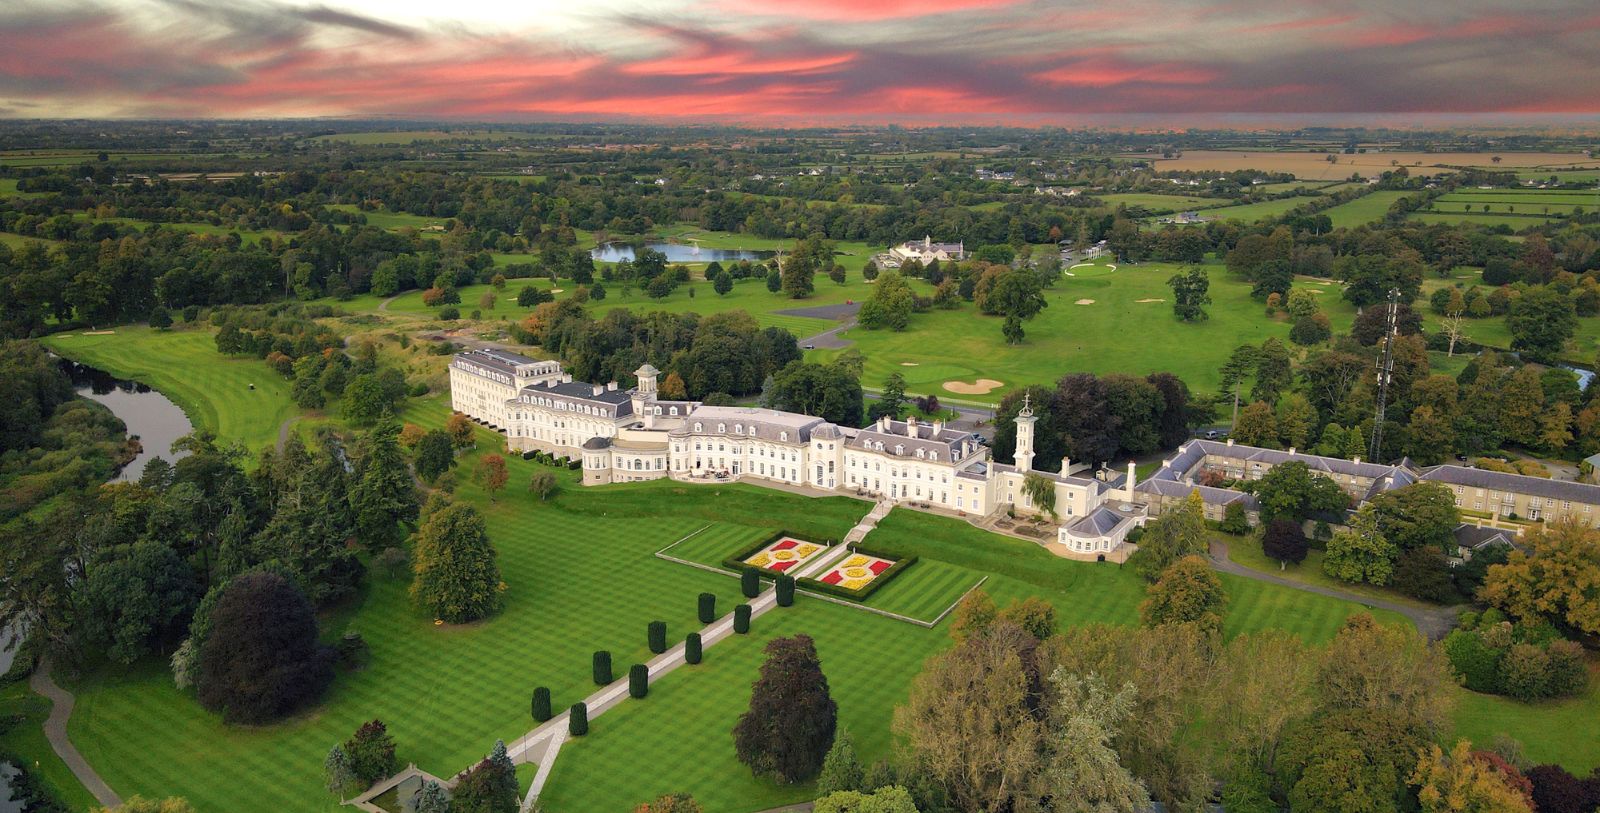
(1517, 222)
(1558, 731)
(1246, 550)
(213, 390)
(26, 741)
(408, 136)
(392, 220)
(1116, 333)
(1251, 212)
(1156, 202)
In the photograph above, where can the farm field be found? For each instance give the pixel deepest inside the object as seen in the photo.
(1368, 208)
(409, 136)
(1315, 165)
(1251, 212)
(392, 221)
(1517, 222)
(1162, 203)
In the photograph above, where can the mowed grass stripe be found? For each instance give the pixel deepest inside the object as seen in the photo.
(925, 589)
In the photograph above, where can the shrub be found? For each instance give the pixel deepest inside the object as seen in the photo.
(750, 583)
(1568, 675)
(1476, 664)
(1424, 573)
(741, 619)
(638, 681)
(602, 667)
(578, 719)
(708, 607)
(658, 636)
(541, 704)
(1525, 672)
(1234, 520)
(371, 753)
(691, 648)
(450, 314)
(785, 586)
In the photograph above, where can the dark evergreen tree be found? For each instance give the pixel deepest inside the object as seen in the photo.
(638, 681)
(261, 659)
(790, 724)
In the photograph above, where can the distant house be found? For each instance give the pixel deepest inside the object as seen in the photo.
(927, 251)
(1471, 539)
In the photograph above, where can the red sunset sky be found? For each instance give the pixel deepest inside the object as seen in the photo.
(760, 61)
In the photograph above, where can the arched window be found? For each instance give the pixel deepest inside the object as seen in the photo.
(722, 428)
(674, 411)
(783, 436)
(698, 427)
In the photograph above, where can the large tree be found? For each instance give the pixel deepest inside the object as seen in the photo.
(1284, 541)
(1187, 593)
(456, 577)
(1292, 491)
(383, 495)
(1416, 516)
(1084, 774)
(829, 391)
(1541, 321)
(1360, 552)
(1553, 575)
(1190, 294)
(1180, 531)
(790, 724)
(261, 659)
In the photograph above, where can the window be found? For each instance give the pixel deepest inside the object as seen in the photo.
(698, 428)
(722, 427)
(783, 436)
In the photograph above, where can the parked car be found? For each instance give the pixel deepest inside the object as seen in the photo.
(811, 347)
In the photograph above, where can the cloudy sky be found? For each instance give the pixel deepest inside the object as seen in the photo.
(797, 60)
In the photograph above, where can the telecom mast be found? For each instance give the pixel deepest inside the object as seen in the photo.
(1385, 372)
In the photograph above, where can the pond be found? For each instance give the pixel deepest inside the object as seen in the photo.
(678, 253)
(151, 417)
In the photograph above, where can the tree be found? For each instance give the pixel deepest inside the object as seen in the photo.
(671, 803)
(1084, 773)
(492, 474)
(1360, 553)
(1292, 491)
(1284, 541)
(722, 283)
(1417, 516)
(1372, 669)
(1541, 321)
(1296, 419)
(891, 400)
(1234, 519)
(1423, 573)
(1557, 791)
(1273, 371)
(488, 787)
(1034, 615)
(790, 724)
(1310, 330)
(372, 753)
(1190, 294)
(1551, 576)
(886, 799)
(1257, 426)
(969, 723)
(542, 484)
(138, 597)
(1187, 592)
(1041, 491)
(383, 495)
(673, 388)
(1177, 533)
(973, 614)
(160, 318)
(831, 392)
(541, 704)
(435, 455)
(1462, 782)
(890, 305)
(455, 574)
(431, 798)
(841, 770)
(340, 779)
(459, 427)
(261, 658)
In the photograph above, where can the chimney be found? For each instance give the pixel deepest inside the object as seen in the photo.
(938, 426)
(911, 426)
(1356, 460)
(1128, 485)
(1066, 466)
(598, 389)
(1291, 451)
(611, 386)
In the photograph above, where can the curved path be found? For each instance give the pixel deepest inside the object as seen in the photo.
(383, 307)
(1433, 622)
(55, 730)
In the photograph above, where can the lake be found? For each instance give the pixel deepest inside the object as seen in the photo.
(150, 416)
(678, 253)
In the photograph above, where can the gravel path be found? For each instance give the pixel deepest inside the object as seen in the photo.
(55, 730)
(1433, 622)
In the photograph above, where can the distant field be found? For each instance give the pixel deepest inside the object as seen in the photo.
(1368, 208)
(63, 158)
(1516, 222)
(1251, 212)
(1162, 203)
(1315, 165)
(409, 136)
(248, 235)
(391, 220)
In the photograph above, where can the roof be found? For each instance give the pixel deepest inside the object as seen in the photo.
(1103, 520)
(911, 437)
(1516, 483)
(764, 424)
(1094, 485)
(1256, 454)
(1208, 494)
(596, 443)
(1474, 537)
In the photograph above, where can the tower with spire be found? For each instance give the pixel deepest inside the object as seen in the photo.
(1025, 422)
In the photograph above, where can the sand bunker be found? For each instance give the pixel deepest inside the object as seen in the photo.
(1084, 265)
(908, 364)
(1084, 302)
(1149, 300)
(982, 386)
(558, 290)
(98, 332)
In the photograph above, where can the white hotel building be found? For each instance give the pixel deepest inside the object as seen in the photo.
(629, 435)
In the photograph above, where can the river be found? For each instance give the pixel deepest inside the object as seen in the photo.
(678, 253)
(150, 416)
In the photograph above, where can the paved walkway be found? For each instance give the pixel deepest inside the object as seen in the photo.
(55, 730)
(543, 744)
(1433, 622)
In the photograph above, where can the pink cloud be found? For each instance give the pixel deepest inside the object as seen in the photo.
(857, 10)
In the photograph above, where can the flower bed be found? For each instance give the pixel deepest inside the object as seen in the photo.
(861, 573)
(779, 553)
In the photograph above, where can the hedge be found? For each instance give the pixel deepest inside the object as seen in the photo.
(737, 560)
(638, 681)
(741, 619)
(658, 636)
(785, 591)
(708, 607)
(578, 720)
(691, 648)
(861, 593)
(541, 704)
(750, 583)
(602, 668)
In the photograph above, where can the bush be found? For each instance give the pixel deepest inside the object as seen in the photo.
(785, 585)
(1424, 573)
(1568, 674)
(638, 681)
(750, 583)
(691, 648)
(371, 753)
(353, 653)
(657, 635)
(708, 607)
(578, 719)
(1476, 664)
(541, 704)
(601, 668)
(261, 658)
(450, 314)
(1525, 672)
(741, 619)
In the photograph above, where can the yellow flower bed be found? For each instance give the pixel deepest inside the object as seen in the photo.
(857, 573)
(783, 555)
(854, 584)
(856, 561)
(805, 550)
(761, 559)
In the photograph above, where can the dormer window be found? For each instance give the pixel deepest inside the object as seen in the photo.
(783, 436)
(722, 428)
(921, 453)
(674, 412)
(899, 448)
(738, 429)
(934, 456)
(698, 427)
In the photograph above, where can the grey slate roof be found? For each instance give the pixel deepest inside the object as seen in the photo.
(946, 442)
(1095, 486)
(1473, 537)
(1211, 496)
(1101, 522)
(1516, 483)
(762, 424)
